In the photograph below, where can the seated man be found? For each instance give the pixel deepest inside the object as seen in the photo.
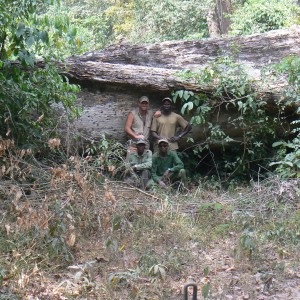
(167, 167)
(139, 165)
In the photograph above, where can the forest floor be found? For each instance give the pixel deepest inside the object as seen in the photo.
(73, 234)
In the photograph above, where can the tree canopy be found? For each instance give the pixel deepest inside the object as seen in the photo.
(27, 92)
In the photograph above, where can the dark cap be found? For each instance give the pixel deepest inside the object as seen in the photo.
(166, 99)
(140, 141)
(144, 99)
(163, 141)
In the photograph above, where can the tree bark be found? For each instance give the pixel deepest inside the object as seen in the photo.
(155, 67)
(217, 20)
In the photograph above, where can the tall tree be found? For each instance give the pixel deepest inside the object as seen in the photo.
(218, 17)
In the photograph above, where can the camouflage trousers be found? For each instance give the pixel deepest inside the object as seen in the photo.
(138, 179)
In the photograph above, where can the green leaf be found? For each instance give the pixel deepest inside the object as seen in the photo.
(20, 29)
(218, 206)
(205, 290)
(30, 41)
(276, 144)
(206, 271)
(117, 222)
(43, 35)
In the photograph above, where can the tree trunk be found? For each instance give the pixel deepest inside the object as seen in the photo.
(217, 20)
(155, 67)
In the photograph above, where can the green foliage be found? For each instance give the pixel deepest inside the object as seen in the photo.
(107, 155)
(287, 160)
(27, 93)
(169, 20)
(233, 92)
(121, 16)
(158, 271)
(248, 242)
(95, 27)
(55, 238)
(284, 232)
(205, 290)
(100, 23)
(257, 16)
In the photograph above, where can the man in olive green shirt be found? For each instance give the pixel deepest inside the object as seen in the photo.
(167, 167)
(139, 165)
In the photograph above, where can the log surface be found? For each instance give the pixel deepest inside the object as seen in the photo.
(154, 66)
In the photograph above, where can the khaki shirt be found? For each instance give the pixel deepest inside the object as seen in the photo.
(166, 127)
(138, 125)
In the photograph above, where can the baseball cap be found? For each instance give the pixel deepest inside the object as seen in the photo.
(163, 140)
(166, 99)
(144, 99)
(140, 141)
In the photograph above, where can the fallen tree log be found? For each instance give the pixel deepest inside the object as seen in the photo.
(120, 74)
(155, 66)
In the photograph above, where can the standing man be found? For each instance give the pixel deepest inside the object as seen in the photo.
(139, 165)
(167, 167)
(138, 123)
(166, 125)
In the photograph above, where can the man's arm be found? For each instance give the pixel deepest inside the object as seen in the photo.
(178, 164)
(157, 114)
(128, 130)
(155, 135)
(154, 128)
(186, 130)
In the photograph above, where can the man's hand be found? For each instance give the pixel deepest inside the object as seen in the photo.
(133, 168)
(174, 139)
(161, 183)
(139, 136)
(166, 175)
(157, 114)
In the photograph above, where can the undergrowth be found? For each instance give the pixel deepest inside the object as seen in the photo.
(70, 230)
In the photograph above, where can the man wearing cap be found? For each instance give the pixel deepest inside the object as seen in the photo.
(167, 124)
(167, 167)
(139, 165)
(138, 123)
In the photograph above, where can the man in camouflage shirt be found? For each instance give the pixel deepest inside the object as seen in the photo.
(139, 165)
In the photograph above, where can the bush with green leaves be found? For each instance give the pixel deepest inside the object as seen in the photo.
(287, 159)
(257, 16)
(28, 92)
(232, 92)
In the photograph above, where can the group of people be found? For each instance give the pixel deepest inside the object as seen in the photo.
(164, 166)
